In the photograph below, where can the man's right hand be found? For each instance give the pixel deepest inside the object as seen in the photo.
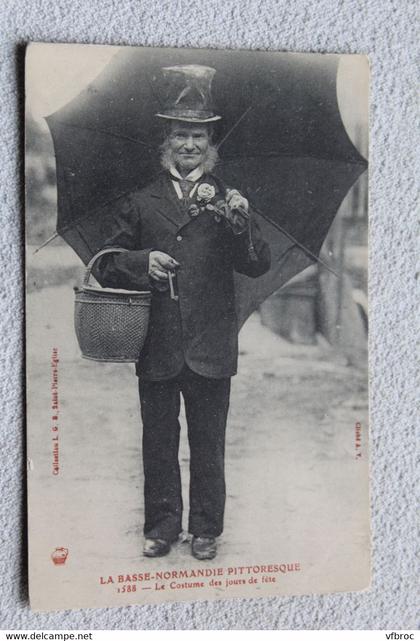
(159, 266)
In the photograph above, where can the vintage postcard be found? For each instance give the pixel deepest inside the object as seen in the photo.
(196, 315)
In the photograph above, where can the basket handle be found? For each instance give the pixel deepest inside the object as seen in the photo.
(108, 250)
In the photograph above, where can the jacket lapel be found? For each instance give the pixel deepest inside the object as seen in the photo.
(170, 207)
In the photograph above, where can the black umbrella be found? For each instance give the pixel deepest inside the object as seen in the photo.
(281, 142)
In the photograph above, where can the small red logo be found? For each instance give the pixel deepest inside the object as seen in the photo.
(59, 556)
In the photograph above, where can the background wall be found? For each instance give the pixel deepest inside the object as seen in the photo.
(383, 30)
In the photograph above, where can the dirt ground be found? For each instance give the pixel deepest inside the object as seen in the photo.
(296, 491)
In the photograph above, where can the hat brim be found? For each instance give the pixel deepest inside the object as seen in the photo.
(197, 121)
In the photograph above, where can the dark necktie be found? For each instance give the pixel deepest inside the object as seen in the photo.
(186, 186)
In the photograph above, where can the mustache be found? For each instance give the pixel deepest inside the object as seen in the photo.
(168, 157)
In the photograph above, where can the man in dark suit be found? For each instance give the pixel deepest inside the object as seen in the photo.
(188, 227)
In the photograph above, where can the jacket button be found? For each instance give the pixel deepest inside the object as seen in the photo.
(179, 238)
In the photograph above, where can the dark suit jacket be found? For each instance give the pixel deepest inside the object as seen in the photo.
(200, 329)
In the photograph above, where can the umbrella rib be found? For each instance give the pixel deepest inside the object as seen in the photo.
(295, 241)
(108, 133)
(226, 136)
(84, 216)
(46, 242)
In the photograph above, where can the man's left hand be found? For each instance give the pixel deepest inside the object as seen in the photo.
(238, 215)
(236, 201)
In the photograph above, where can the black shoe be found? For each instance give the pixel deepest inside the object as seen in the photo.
(204, 548)
(156, 547)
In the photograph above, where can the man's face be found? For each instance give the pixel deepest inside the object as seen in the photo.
(188, 143)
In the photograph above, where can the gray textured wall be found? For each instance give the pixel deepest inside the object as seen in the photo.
(385, 30)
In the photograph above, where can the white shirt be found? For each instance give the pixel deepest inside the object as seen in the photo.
(194, 176)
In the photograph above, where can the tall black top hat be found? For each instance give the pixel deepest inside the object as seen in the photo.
(189, 94)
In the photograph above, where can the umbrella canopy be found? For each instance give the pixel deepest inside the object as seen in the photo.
(281, 142)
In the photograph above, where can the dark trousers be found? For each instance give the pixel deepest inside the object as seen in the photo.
(206, 406)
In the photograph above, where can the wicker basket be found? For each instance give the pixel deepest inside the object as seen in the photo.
(111, 324)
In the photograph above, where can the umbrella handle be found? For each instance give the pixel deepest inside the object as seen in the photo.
(108, 250)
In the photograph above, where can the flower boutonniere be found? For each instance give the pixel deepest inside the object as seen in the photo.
(206, 202)
(205, 193)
